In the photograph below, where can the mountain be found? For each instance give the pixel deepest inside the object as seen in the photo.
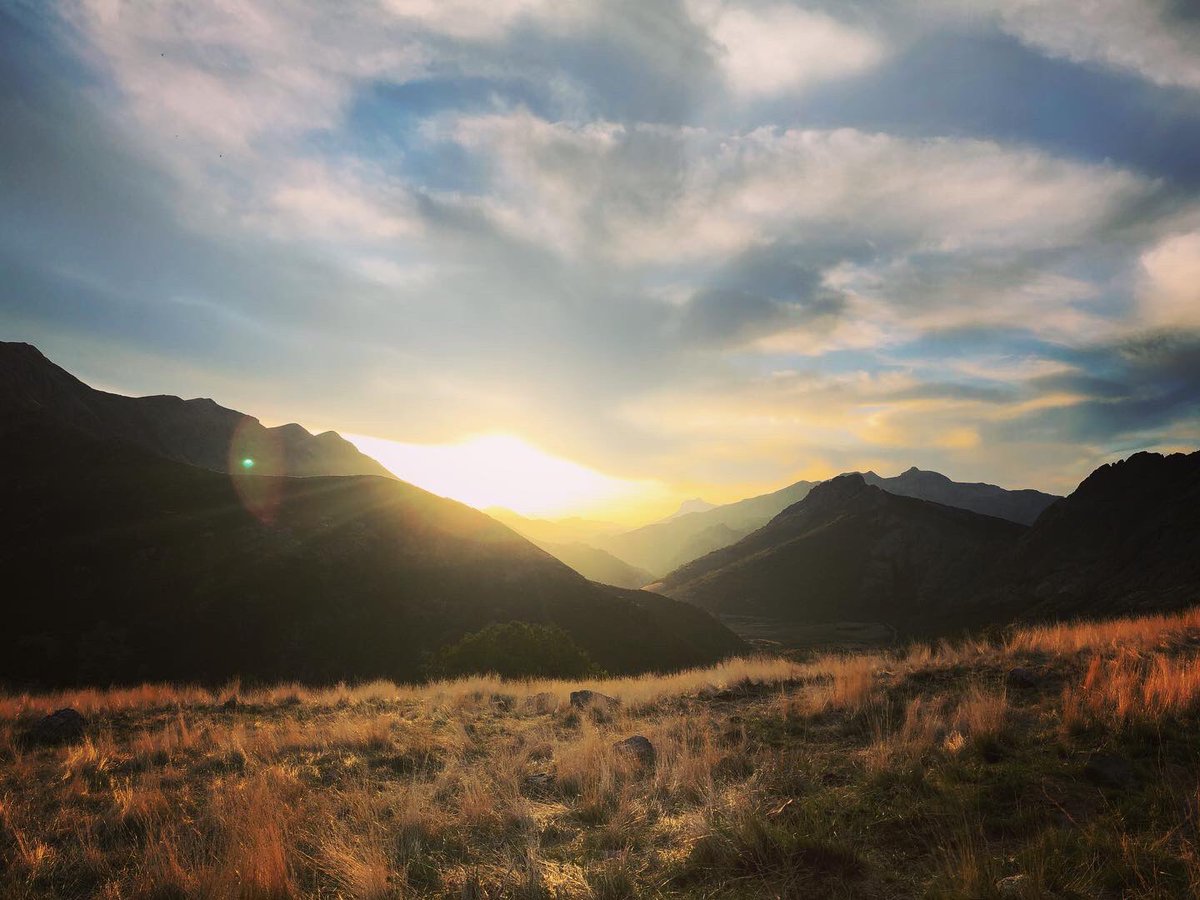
(570, 530)
(123, 566)
(1022, 506)
(1127, 540)
(197, 432)
(597, 565)
(663, 546)
(851, 552)
(694, 505)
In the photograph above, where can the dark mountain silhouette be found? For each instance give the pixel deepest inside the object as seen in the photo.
(120, 566)
(851, 552)
(198, 432)
(663, 546)
(1127, 540)
(1022, 506)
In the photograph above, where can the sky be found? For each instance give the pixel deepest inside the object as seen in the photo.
(662, 249)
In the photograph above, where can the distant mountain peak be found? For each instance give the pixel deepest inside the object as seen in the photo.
(693, 505)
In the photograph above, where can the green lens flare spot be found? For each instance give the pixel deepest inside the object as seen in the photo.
(247, 463)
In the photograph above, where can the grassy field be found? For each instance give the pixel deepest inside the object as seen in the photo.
(938, 772)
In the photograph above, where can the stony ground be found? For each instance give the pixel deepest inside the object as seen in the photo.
(1058, 763)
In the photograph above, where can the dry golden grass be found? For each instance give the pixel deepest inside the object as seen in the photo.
(868, 775)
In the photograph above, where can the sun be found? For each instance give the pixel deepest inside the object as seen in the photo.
(502, 470)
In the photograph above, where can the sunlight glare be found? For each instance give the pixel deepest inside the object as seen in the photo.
(501, 470)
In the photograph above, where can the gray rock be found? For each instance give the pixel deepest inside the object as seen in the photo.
(582, 699)
(64, 726)
(1109, 770)
(639, 747)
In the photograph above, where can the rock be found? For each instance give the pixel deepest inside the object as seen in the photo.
(1109, 770)
(638, 746)
(1022, 677)
(582, 699)
(1012, 885)
(545, 702)
(64, 726)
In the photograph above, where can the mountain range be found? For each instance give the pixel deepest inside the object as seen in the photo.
(121, 562)
(1127, 540)
(661, 547)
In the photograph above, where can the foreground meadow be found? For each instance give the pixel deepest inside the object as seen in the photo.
(1060, 761)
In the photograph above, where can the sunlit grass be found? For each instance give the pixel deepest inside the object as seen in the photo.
(916, 772)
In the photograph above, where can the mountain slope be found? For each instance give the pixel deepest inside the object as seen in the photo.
(1126, 540)
(1023, 506)
(663, 546)
(597, 565)
(122, 566)
(197, 432)
(851, 552)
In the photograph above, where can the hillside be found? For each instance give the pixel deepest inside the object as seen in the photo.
(597, 565)
(1023, 506)
(851, 552)
(197, 432)
(123, 566)
(1127, 540)
(1060, 763)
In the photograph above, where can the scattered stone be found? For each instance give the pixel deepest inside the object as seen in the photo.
(1012, 885)
(545, 702)
(582, 699)
(64, 726)
(1109, 770)
(638, 746)
(1022, 677)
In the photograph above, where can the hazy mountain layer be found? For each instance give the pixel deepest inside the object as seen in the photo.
(197, 432)
(663, 546)
(597, 565)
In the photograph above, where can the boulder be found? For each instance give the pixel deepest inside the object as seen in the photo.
(583, 699)
(64, 726)
(639, 747)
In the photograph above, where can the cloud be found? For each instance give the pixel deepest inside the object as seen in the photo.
(1154, 39)
(1170, 293)
(769, 49)
(652, 193)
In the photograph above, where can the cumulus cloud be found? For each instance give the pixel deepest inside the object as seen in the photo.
(768, 49)
(1170, 293)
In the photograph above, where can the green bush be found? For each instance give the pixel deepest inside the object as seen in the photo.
(515, 650)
